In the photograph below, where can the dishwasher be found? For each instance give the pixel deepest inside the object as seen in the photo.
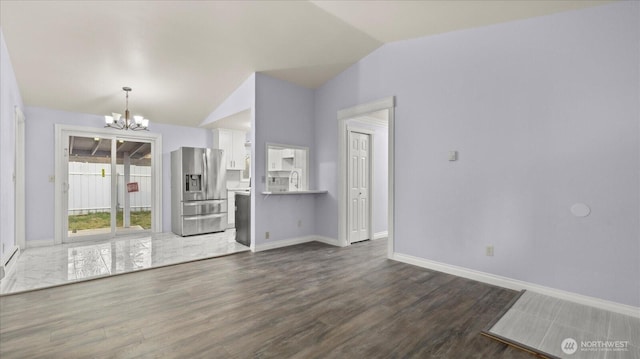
(243, 218)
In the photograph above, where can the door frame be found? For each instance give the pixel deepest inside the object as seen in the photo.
(387, 103)
(20, 212)
(356, 129)
(60, 198)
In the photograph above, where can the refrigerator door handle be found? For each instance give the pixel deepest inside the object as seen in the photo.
(205, 216)
(204, 174)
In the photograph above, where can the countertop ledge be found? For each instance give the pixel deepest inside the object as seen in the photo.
(297, 192)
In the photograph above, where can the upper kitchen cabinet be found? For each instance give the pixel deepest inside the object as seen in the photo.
(233, 144)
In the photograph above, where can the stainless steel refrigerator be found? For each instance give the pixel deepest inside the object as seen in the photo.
(198, 191)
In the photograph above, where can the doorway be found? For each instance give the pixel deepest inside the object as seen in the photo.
(109, 184)
(365, 114)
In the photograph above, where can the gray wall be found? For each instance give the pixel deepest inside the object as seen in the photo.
(283, 115)
(544, 113)
(9, 99)
(40, 163)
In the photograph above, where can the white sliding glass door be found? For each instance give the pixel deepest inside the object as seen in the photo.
(90, 186)
(108, 184)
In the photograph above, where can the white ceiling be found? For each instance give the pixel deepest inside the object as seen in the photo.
(183, 58)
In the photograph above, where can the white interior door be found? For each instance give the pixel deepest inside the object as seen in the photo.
(359, 179)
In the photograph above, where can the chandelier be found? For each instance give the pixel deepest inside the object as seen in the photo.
(116, 120)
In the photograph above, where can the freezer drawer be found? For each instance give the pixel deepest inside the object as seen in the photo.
(204, 224)
(204, 207)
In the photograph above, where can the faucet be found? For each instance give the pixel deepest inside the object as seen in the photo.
(297, 178)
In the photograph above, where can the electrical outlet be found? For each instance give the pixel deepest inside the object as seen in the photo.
(299, 223)
(489, 251)
(266, 235)
(453, 155)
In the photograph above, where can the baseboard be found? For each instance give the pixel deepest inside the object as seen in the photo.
(283, 243)
(39, 243)
(328, 240)
(517, 284)
(293, 241)
(380, 235)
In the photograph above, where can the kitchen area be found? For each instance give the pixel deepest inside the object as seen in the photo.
(228, 211)
(231, 138)
(237, 149)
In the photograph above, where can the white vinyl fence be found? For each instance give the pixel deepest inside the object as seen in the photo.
(90, 192)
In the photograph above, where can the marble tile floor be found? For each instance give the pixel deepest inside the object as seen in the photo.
(547, 324)
(42, 267)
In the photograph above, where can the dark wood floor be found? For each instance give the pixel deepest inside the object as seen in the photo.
(306, 301)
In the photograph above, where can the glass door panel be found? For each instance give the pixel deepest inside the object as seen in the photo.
(133, 186)
(89, 204)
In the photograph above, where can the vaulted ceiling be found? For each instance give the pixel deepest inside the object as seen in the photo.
(183, 58)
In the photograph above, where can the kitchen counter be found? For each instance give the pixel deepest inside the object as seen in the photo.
(239, 189)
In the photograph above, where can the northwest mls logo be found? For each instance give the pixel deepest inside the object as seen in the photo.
(569, 346)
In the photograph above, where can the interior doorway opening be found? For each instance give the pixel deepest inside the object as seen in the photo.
(366, 172)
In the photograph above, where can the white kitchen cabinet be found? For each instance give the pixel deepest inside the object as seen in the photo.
(288, 153)
(275, 160)
(281, 160)
(232, 142)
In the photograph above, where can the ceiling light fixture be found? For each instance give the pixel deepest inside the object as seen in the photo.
(138, 123)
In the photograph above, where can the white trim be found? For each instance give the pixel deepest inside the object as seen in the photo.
(294, 241)
(380, 235)
(365, 108)
(328, 240)
(391, 226)
(517, 284)
(370, 120)
(312, 191)
(20, 212)
(60, 171)
(344, 115)
(40, 243)
(283, 243)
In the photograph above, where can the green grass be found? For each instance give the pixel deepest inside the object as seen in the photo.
(103, 220)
